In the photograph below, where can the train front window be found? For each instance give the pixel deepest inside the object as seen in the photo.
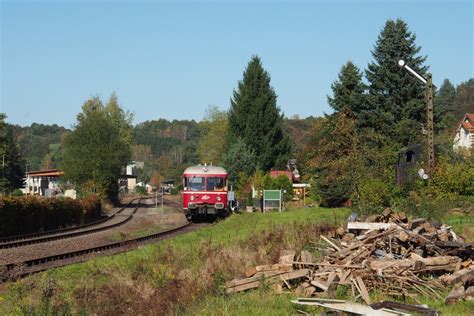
(196, 183)
(215, 184)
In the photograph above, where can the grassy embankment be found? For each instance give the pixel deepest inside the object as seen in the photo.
(186, 274)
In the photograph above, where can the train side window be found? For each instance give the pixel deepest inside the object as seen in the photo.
(185, 183)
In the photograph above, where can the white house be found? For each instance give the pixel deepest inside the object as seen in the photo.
(464, 139)
(43, 182)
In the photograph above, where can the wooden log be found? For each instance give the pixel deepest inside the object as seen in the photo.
(457, 276)
(250, 271)
(386, 212)
(402, 236)
(469, 294)
(455, 295)
(402, 217)
(416, 222)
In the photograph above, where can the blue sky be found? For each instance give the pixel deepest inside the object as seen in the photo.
(173, 59)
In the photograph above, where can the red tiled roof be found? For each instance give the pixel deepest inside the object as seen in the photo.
(468, 122)
(470, 117)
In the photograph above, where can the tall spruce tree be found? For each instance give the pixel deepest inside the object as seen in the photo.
(444, 106)
(12, 162)
(348, 90)
(255, 118)
(396, 97)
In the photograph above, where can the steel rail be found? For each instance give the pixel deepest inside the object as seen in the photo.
(124, 245)
(10, 239)
(61, 235)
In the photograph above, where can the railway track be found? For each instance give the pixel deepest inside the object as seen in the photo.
(27, 267)
(30, 239)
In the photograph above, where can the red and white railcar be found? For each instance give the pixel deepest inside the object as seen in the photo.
(205, 191)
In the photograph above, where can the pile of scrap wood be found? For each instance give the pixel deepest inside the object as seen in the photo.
(390, 254)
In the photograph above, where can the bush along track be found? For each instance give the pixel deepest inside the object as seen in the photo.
(18, 241)
(27, 214)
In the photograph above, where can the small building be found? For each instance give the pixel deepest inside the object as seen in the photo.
(408, 159)
(464, 138)
(43, 182)
(128, 180)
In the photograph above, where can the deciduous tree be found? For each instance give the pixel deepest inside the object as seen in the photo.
(211, 146)
(96, 150)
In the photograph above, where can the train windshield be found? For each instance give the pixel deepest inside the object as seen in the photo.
(215, 184)
(196, 183)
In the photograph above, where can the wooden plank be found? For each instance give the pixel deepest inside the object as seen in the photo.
(253, 282)
(363, 290)
(320, 285)
(331, 243)
(322, 264)
(367, 226)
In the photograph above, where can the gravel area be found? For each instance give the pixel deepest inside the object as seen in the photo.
(146, 218)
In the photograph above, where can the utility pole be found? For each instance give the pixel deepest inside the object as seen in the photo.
(162, 194)
(429, 125)
(429, 114)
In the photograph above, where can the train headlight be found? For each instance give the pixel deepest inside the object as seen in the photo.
(192, 198)
(219, 198)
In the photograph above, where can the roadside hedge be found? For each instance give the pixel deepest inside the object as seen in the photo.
(29, 214)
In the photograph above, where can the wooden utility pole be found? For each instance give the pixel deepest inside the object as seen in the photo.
(429, 120)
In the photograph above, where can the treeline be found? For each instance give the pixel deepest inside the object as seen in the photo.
(40, 144)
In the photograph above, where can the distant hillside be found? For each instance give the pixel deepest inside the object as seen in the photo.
(39, 144)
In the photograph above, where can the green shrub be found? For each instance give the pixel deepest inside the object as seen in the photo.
(174, 191)
(140, 190)
(453, 178)
(28, 214)
(17, 192)
(373, 196)
(250, 199)
(284, 184)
